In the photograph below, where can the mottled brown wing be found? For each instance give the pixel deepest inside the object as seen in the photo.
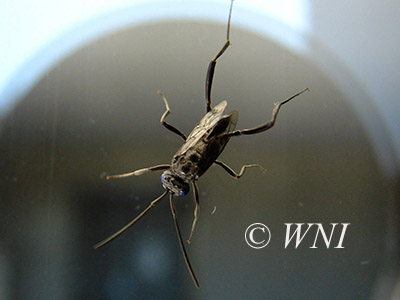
(205, 126)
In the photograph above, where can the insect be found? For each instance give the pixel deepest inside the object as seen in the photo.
(199, 151)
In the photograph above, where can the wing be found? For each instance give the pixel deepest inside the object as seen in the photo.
(215, 142)
(225, 124)
(206, 124)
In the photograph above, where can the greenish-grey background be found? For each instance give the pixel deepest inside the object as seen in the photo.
(97, 113)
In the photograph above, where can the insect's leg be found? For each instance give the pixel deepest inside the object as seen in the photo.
(165, 114)
(196, 209)
(213, 62)
(178, 232)
(140, 171)
(242, 170)
(268, 125)
(110, 238)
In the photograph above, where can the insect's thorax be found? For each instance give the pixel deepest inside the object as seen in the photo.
(188, 165)
(194, 162)
(204, 144)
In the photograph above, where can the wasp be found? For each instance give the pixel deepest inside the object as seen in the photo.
(199, 151)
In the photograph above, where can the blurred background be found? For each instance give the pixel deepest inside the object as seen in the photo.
(78, 102)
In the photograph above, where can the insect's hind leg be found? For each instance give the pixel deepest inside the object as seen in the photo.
(165, 114)
(213, 62)
(242, 170)
(268, 125)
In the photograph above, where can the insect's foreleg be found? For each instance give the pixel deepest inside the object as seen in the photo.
(213, 62)
(242, 170)
(165, 114)
(110, 238)
(140, 171)
(268, 125)
(196, 209)
(178, 232)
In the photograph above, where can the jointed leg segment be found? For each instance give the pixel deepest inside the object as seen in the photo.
(242, 170)
(196, 209)
(268, 125)
(165, 114)
(140, 171)
(213, 62)
(110, 238)
(178, 232)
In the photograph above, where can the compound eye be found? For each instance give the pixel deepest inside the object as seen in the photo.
(163, 178)
(183, 192)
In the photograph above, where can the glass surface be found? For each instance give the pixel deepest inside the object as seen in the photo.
(97, 113)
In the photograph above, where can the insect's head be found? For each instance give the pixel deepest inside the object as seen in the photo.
(174, 184)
